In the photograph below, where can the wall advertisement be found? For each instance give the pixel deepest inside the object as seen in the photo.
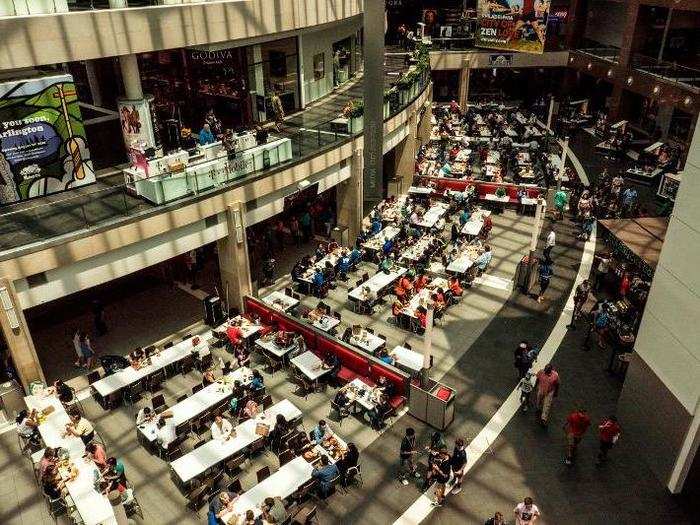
(137, 126)
(512, 25)
(43, 148)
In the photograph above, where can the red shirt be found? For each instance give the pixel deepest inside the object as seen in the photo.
(234, 334)
(577, 423)
(608, 430)
(547, 383)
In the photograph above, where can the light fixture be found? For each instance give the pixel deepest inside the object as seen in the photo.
(687, 101)
(589, 66)
(610, 73)
(571, 60)
(629, 81)
(9, 308)
(656, 90)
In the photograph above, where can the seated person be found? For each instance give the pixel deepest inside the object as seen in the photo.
(484, 259)
(387, 246)
(274, 510)
(320, 252)
(379, 413)
(384, 386)
(222, 429)
(332, 363)
(282, 427)
(257, 383)
(237, 393)
(298, 272)
(51, 483)
(397, 307)
(251, 409)
(344, 264)
(166, 429)
(342, 403)
(406, 283)
(376, 226)
(222, 504)
(421, 282)
(326, 473)
(80, 427)
(48, 459)
(227, 368)
(144, 415)
(464, 217)
(455, 287)
(355, 255)
(208, 378)
(350, 459)
(318, 279)
(422, 317)
(27, 425)
(384, 356)
(385, 265)
(136, 357)
(242, 356)
(321, 432)
(97, 454)
(234, 333)
(114, 475)
(63, 392)
(328, 272)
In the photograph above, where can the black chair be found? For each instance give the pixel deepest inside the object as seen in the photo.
(181, 398)
(197, 388)
(168, 345)
(93, 376)
(158, 402)
(155, 381)
(187, 365)
(235, 486)
(186, 337)
(231, 467)
(285, 457)
(205, 362)
(263, 474)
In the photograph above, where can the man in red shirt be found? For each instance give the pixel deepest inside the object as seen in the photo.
(576, 425)
(609, 432)
(546, 389)
(235, 335)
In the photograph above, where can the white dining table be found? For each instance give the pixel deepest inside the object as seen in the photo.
(271, 347)
(326, 323)
(280, 301)
(94, 507)
(367, 341)
(377, 283)
(377, 242)
(310, 365)
(199, 402)
(110, 384)
(407, 359)
(362, 394)
(215, 451)
(432, 215)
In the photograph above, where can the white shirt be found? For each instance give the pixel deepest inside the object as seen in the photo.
(221, 433)
(551, 238)
(166, 435)
(523, 515)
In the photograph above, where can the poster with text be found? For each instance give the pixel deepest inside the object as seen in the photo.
(513, 25)
(43, 148)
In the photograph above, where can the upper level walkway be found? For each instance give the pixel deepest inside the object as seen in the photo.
(34, 224)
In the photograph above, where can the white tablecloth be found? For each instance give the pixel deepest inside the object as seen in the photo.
(433, 215)
(280, 301)
(310, 365)
(377, 242)
(198, 403)
(377, 282)
(110, 384)
(326, 323)
(370, 342)
(214, 451)
(93, 507)
(407, 359)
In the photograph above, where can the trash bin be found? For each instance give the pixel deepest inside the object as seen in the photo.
(433, 403)
(213, 310)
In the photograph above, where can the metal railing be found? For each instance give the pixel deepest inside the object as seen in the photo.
(668, 71)
(609, 54)
(88, 207)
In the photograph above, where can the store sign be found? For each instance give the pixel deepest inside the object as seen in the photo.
(501, 60)
(513, 25)
(137, 126)
(43, 148)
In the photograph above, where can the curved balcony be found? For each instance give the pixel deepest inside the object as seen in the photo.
(32, 230)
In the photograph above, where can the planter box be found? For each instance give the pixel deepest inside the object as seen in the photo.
(357, 124)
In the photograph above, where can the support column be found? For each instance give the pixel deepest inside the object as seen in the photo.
(578, 10)
(464, 76)
(349, 197)
(374, 102)
(233, 257)
(93, 83)
(131, 77)
(19, 341)
(425, 128)
(615, 103)
(134, 100)
(663, 119)
(406, 159)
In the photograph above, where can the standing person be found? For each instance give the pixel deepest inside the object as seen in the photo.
(86, 350)
(277, 110)
(279, 233)
(601, 270)
(545, 272)
(577, 423)
(441, 474)
(407, 452)
(581, 294)
(295, 230)
(526, 512)
(546, 389)
(78, 349)
(609, 432)
(191, 264)
(305, 223)
(549, 244)
(458, 463)
(98, 312)
(496, 520)
(525, 387)
(561, 198)
(521, 360)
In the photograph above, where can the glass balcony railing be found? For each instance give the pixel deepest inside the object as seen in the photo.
(607, 53)
(688, 77)
(109, 201)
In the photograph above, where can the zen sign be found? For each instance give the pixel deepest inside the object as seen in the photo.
(501, 60)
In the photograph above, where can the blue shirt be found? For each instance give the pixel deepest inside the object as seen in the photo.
(355, 255)
(483, 260)
(629, 196)
(256, 383)
(326, 474)
(344, 264)
(376, 227)
(388, 246)
(206, 137)
(318, 279)
(387, 359)
(464, 217)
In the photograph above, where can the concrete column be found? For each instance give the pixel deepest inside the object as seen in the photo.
(93, 83)
(628, 31)
(374, 101)
(349, 197)
(131, 77)
(233, 257)
(256, 79)
(424, 126)
(464, 76)
(615, 102)
(663, 119)
(576, 23)
(19, 341)
(302, 75)
(406, 158)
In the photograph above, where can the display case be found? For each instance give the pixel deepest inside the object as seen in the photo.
(668, 187)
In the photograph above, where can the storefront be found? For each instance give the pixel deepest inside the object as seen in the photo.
(342, 61)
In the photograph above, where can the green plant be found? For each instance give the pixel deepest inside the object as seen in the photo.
(501, 192)
(354, 109)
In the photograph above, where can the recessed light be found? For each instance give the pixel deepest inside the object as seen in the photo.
(629, 81)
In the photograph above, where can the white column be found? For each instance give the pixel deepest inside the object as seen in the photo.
(131, 77)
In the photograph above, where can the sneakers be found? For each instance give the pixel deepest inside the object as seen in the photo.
(436, 504)
(404, 481)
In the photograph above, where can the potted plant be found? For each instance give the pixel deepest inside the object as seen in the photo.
(354, 111)
(501, 192)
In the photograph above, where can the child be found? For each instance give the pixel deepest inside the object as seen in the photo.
(525, 387)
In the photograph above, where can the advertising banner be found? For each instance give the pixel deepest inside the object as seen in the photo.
(43, 148)
(512, 25)
(137, 126)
